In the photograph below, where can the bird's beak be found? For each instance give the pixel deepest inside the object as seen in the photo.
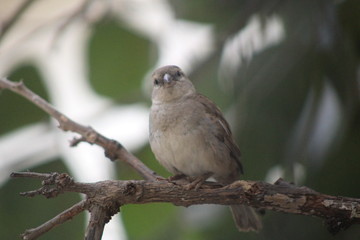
(167, 78)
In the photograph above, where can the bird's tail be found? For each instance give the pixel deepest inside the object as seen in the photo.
(246, 219)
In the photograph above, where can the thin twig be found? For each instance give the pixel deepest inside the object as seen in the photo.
(66, 215)
(29, 175)
(113, 149)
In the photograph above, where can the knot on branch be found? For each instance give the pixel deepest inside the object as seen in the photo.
(101, 214)
(111, 150)
(247, 190)
(60, 180)
(89, 135)
(52, 185)
(75, 141)
(135, 190)
(108, 206)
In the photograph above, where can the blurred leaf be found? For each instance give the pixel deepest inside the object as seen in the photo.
(341, 173)
(226, 16)
(206, 82)
(150, 221)
(15, 110)
(118, 60)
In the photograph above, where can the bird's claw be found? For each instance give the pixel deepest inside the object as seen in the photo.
(196, 182)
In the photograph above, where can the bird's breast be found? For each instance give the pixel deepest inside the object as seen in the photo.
(179, 141)
(175, 138)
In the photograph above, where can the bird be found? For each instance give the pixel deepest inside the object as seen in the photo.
(190, 137)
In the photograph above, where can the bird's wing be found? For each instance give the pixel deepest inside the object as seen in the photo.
(222, 129)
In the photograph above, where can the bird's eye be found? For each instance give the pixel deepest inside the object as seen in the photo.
(156, 82)
(178, 73)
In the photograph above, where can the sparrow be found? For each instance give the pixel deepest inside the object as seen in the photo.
(190, 137)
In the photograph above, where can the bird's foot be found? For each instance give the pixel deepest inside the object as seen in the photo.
(161, 179)
(196, 182)
(176, 177)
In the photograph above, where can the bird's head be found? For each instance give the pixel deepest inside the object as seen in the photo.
(169, 84)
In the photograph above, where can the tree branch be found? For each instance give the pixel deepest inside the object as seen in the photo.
(113, 149)
(98, 219)
(107, 196)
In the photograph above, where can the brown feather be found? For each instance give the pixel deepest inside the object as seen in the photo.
(222, 128)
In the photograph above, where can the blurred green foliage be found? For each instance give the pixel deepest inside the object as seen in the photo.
(15, 110)
(118, 60)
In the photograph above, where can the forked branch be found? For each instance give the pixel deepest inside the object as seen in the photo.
(104, 198)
